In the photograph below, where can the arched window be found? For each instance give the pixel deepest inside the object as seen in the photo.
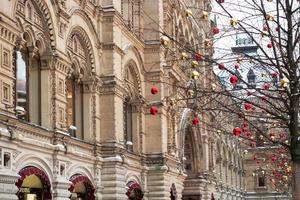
(131, 12)
(128, 123)
(29, 12)
(75, 107)
(28, 81)
(131, 104)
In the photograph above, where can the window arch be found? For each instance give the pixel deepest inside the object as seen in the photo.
(28, 81)
(128, 122)
(75, 106)
(78, 90)
(131, 12)
(131, 102)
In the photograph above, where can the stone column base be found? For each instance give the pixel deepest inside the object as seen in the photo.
(60, 189)
(8, 189)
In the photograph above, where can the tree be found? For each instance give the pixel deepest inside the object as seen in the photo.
(268, 112)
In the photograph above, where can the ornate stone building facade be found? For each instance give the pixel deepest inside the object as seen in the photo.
(75, 81)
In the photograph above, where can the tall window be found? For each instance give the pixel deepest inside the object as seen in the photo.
(132, 15)
(75, 108)
(128, 126)
(261, 180)
(22, 85)
(28, 86)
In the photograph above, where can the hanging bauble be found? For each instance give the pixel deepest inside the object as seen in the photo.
(273, 158)
(190, 93)
(221, 66)
(199, 56)
(248, 133)
(236, 66)
(247, 106)
(207, 43)
(204, 15)
(213, 86)
(184, 56)
(264, 98)
(195, 75)
(245, 124)
(233, 22)
(234, 79)
(281, 135)
(153, 110)
(277, 29)
(194, 63)
(164, 40)
(237, 131)
(270, 17)
(196, 121)
(274, 74)
(188, 12)
(267, 86)
(244, 129)
(254, 157)
(215, 30)
(221, 1)
(265, 28)
(154, 90)
(284, 82)
(272, 136)
(172, 101)
(251, 144)
(270, 45)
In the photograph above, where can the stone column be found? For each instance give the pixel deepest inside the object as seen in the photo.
(60, 189)
(113, 178)
(156, 184)
(8, 189)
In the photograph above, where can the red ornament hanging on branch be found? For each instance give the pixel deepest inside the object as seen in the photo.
(222, 66)
(196, 121)
(247, 106)
(251, 143)
(237, 66)
(154, 90)
(274, 74)
(273, 158)
(199, 56)
(233, 79)
(221, 1)
(267, 86)
(237, 131)
(270, 45)
(215, 30)
(248, 133)
(153, 110)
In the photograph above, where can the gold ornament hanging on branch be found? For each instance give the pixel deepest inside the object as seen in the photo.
(233, 22)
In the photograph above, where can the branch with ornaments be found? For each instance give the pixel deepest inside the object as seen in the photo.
(267, 108)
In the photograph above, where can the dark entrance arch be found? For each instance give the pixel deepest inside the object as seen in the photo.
(33, 183)
(134, 191)
(81, 188)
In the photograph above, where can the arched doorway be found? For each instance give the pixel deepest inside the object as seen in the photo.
(81, 188)
(33, 184)
(134, 191)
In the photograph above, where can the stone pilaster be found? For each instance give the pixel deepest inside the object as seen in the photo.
(156, 185)
(8, 189)
(60, 189)
(113, 179)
